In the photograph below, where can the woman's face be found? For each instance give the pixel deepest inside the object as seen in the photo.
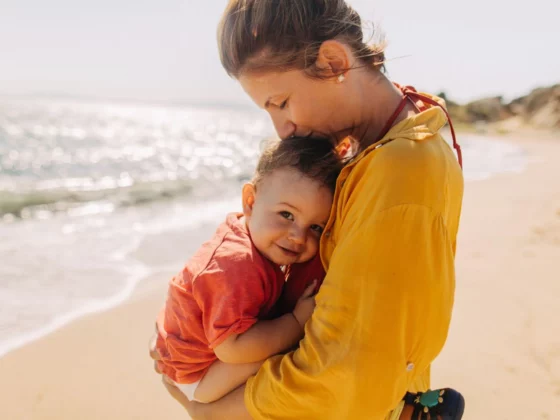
(300, 105)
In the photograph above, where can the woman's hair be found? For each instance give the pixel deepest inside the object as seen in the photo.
(261, 35)
(314, 158)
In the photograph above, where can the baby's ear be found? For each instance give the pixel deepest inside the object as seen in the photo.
(248, 198)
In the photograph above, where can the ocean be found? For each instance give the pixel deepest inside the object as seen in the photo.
(90, 190)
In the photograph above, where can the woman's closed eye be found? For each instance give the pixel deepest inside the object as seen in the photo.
(287, 215)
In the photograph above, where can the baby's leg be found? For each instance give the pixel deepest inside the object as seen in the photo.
(222, 378)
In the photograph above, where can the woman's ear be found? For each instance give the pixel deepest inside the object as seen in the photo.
(334, 58)
(248, 198)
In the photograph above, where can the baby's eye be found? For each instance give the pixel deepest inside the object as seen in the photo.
(316, 228)
(283, 104)
(287, 215)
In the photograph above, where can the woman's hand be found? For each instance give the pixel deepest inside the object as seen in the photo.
(171, 388)
(153, 352)
(232, 406)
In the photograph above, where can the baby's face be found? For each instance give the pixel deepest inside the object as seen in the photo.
(288, 215)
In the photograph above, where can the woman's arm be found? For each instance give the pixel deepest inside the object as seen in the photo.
(382, 316)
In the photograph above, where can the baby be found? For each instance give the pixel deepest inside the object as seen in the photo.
(219, 323)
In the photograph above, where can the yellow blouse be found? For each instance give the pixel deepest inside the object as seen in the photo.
(384, 309)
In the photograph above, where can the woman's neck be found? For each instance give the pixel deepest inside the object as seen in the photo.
(379, 98)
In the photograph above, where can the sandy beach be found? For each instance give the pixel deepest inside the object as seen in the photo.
(503, 351)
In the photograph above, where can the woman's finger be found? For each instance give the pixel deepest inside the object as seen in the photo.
(153, 351)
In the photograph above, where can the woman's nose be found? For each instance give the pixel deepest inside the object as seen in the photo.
(284, 127)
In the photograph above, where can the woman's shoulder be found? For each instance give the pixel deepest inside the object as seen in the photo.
(407, 171)
(408, 156)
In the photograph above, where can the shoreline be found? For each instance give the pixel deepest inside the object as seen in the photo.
(502, 352)
(128, 295)
(152, 260)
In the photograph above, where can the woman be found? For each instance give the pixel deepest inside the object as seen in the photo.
(384, 309)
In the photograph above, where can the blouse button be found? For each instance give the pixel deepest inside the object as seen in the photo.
(410, 367)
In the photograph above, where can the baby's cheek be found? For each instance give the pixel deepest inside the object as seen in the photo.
(278, 225)
(312, 246)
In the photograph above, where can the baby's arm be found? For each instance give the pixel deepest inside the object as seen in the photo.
(222, 378)
(267, 338)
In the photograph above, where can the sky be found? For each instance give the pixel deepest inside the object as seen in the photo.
(165, 50)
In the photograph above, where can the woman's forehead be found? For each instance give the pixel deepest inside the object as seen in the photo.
(263, 86)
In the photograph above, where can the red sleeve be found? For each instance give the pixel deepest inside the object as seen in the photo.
(299, 277)
(230, 295)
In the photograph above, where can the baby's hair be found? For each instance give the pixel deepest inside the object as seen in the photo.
(314, 158)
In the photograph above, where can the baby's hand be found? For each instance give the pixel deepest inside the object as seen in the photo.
(305, 304)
